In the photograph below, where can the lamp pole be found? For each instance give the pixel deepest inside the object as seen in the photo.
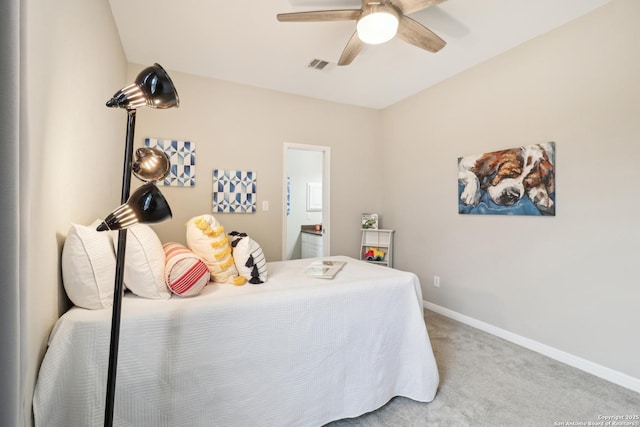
(118, 285)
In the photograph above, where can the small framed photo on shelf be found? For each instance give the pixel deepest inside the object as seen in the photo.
(370, 221)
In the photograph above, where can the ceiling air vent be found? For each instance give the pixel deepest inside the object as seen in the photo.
(317, 64)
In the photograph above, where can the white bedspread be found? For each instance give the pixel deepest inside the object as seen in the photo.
(293, 351)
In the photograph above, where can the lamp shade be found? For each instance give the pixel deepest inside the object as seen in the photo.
(146, 205)
(153, 88)
(151, 164)
(378, 24)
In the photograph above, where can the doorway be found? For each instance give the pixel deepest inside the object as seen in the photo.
(306, 200)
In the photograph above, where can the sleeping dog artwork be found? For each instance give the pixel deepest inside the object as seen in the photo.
(517, 181)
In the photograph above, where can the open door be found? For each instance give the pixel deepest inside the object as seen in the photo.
(306, 201)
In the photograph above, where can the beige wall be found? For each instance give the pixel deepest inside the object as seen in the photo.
(569, 281)
(244, 128)
(73, 63)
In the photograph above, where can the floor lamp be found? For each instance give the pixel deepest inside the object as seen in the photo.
(152, 88)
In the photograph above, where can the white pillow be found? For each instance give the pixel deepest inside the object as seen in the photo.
(249, 258)
(89, 266)
(144, 263)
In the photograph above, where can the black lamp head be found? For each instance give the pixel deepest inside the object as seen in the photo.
(153, 88)
(146, 205)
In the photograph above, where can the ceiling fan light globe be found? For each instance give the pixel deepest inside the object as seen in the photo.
(377, 27)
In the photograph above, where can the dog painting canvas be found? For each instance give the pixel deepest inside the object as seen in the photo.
(516, 181)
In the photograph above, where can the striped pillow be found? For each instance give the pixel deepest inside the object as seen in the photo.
(249, 258)
(185, 273)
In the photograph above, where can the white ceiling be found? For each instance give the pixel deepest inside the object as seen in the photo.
(242, 42)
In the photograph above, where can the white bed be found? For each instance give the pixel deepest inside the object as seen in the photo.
(294, 351)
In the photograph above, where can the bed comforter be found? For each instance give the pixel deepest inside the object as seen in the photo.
(294, 351)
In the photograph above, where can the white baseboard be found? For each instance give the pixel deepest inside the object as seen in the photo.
(603, 372)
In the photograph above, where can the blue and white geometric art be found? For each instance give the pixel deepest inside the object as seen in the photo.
(182, 156)
(234, 191)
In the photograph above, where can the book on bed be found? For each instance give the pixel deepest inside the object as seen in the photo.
(324, 269)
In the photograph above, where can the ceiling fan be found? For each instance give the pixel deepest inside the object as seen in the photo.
(377, 22)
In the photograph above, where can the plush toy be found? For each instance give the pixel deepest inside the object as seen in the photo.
(374, 254)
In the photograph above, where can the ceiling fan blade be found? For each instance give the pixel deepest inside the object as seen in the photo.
(419, 35)
(351, 50)
(320, 16)
(410, 6)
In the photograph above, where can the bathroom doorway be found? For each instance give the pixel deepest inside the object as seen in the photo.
(305, 222)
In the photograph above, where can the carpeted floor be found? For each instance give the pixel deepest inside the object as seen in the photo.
(487, 381)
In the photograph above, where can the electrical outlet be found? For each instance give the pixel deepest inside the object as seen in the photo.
(436, 281)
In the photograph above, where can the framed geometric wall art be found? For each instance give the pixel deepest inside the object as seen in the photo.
(515, 181)
(182, 156)
(234, 191)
